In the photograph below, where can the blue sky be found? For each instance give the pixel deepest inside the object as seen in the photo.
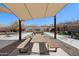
(68, 13)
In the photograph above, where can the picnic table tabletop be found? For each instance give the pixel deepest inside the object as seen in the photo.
(38, 38)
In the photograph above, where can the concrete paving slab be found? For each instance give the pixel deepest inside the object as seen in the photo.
(59, 52)
(35, 48)
(5, 43)
(14, 37)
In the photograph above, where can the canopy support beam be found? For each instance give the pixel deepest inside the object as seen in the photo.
(20, 30)
(55, 27)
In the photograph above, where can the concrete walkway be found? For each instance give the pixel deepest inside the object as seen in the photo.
(14, 36)
(37, 48)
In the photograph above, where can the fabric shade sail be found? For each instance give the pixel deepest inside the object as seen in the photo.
(26, 11)
(5, 10)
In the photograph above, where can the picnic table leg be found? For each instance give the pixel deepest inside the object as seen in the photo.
(20, 51)
(55, 49)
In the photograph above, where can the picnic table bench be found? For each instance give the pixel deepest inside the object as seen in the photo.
(51, 44)
(23, 44)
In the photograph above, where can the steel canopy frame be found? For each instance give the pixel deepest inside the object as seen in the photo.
(55, 27)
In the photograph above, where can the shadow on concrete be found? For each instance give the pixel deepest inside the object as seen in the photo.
(16, 51)
(43, 49)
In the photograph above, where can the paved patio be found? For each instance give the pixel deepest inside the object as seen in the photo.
(65, 49)
(36, 48)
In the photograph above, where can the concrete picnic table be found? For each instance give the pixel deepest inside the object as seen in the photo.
(38, 38)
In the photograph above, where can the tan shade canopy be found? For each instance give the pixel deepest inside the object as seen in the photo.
(5, 10)
(26, 11)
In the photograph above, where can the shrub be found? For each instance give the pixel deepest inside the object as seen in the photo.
(77, 35)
